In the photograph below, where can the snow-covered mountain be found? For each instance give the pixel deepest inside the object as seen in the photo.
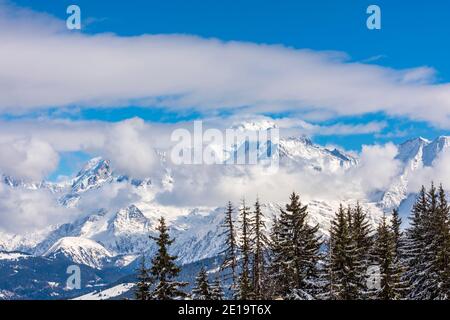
(301, 152)
(103, 236)
(95, 173)
(414, 154)
(81, 251)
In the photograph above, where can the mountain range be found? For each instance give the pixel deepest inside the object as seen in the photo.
(107, 239)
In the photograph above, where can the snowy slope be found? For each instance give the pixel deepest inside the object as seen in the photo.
(80, 250)
(302, 152)
(120, 233)
(109, 293)
(12, 256)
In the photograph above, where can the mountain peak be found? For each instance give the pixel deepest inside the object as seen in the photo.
(94, 165)
(416, 141)
(132, 213)
(129, 220)
(340, 154)
(412, 149)
(425, 140)
(94, 172)
(443, 139)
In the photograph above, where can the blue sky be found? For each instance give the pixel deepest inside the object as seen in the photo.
(414, 34)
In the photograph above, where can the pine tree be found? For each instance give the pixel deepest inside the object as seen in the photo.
(280, 246)
(277, 268)
(428, 249)
(164, 270)
(296, 253)
(399, 249)
(350, 218)
(306, 251)
(325, 279)
(396, 224)
(229, 263)
(424, 240)
(202, 290)
(391, 284)
(435, 235)
(245, 287)
(360, 233)
(343, 279)
(441, 246)
(414, 247)
(216, 290)
(259, 242)
(142, 291)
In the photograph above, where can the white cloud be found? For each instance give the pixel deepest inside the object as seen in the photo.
(62, 135)
(129, 147)
(128, 144)
(24, 210)
(42, 65)
(377, 167)
(212, 185)
(33, 145)
(27, 158)
(438, 172)
(112, 197)
(295, 127)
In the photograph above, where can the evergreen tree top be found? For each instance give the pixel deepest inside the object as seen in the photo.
(164, 270)
(202, 290)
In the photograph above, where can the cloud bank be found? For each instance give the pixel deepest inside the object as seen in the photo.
(23, 210)
(43, 65)
(212, 185)
(438, 172)
(33, 145)
(27, 159)
(30, 150)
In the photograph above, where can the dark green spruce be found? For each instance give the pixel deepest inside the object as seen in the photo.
(229, 264)
(217, 290)
(164, 271)
(202, 289)
(142, 291)
(259, 243)
(391, 273)
(295, 248)
(343, 278)
(245, 282)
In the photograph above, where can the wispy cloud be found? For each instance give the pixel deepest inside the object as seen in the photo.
(293, 126)
(374, 58)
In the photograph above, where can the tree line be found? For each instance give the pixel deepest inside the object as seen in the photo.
(293, 260)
